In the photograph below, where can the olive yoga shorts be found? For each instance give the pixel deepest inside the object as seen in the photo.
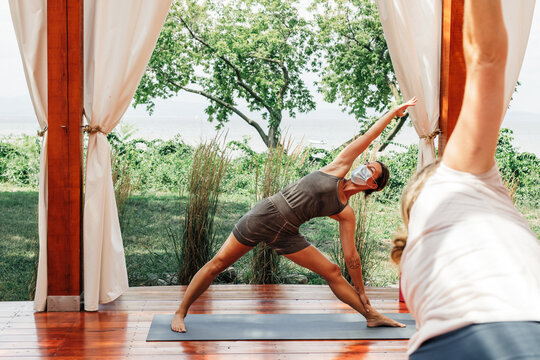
(265, 223)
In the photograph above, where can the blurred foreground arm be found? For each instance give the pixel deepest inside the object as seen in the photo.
(472, 146)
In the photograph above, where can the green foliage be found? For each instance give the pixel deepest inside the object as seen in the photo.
(251, 51)
(203, 188)
(155, 165)
(524, 168)
(402, 165)
(162, 165)
(19, 160)
(356, 67)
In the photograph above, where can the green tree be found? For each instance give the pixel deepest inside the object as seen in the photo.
(355, 64)
(247, 52)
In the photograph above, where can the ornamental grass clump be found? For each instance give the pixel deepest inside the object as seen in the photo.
(210, 162)
(277, 171)
(125, 184)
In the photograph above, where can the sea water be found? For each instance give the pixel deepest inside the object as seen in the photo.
(321, 130)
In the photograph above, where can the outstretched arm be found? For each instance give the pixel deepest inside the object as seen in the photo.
(472, 146)
(347, 222)
(343, 162)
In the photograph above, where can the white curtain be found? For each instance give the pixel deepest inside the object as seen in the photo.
(413, 33)
(30, 22)
(119, 39)
(518, 19)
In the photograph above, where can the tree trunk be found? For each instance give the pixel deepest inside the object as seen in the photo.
(273, 139)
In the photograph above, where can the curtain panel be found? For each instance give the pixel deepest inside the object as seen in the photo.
(119, 39)
(413, 34)
(518, 17)
(30, 23)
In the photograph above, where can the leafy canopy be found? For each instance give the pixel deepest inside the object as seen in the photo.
(241, 52)
(357, 70)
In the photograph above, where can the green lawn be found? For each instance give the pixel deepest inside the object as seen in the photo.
(148, 249)
(18, 243)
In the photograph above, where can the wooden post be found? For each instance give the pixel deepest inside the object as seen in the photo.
(65, 108)
(453, 72)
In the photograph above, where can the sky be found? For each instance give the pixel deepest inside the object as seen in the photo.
(15, 101)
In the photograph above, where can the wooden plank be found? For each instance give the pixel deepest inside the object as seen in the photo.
(118, 334)
(453, 71)
(65, 106)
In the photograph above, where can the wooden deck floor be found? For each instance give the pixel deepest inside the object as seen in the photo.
(119, 329)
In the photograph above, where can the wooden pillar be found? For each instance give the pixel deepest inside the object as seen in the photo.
(453, 72)
(65, 108)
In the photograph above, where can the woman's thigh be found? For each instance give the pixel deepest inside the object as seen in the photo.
(231, 251)
(312, 259)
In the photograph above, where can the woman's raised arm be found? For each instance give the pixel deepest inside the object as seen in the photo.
(472, 146)
(343, 162)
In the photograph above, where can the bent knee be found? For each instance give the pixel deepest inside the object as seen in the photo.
(332, 272)
(216, 266)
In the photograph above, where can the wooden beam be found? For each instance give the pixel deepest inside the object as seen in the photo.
(453, 71)
(65, 108)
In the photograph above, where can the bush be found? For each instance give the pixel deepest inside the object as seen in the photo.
(401, 166)
(160, 166)
(523, 168)
(209, 165)
(19, 160)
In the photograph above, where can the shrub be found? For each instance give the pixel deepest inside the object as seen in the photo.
(401, 166)
(522, 169)
(208, 168)
(19, 160)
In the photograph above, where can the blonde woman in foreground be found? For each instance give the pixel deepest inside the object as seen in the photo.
(470, 264)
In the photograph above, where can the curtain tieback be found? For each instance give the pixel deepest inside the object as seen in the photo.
(93, 129)
(431, 136)
(42, 132)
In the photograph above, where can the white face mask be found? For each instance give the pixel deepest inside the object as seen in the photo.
(361, 175)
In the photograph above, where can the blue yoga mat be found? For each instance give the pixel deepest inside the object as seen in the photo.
(278, 327)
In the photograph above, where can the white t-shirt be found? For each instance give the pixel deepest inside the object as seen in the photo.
(470, 256)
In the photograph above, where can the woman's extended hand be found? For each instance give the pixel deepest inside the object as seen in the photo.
(400, 110)
(363, 298)
(365, 301)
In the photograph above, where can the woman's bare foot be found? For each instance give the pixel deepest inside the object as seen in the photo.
(375, 319)
(177, 323)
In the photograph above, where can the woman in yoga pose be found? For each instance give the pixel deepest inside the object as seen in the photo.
(470, 264)
(275, 220)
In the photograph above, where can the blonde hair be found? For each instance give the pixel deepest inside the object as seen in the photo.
(410, 194)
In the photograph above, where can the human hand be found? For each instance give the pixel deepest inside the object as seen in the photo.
(364, 299)
(400, 110)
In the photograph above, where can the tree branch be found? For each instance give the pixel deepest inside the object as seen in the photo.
(232, 108)
(352, 33)
(222, 103)
(237, 72)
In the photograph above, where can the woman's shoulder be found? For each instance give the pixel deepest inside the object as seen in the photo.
(334, 169)
(347, 214)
